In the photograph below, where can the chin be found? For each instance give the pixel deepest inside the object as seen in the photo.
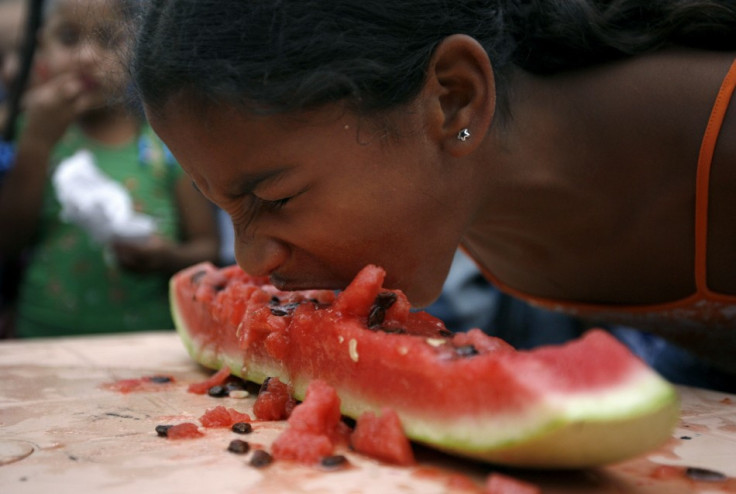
(422, 297)
(421, 286)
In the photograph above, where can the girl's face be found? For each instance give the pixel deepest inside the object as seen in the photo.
(11, 30)
(315, 198)
(86, 38)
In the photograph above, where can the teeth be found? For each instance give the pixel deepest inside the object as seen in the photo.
(435, 342)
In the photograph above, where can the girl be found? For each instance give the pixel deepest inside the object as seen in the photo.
(582, 152)
(77, 102)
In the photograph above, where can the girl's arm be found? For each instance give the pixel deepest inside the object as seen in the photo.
(49, 109)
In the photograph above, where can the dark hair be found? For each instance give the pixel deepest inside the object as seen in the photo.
(290, 55)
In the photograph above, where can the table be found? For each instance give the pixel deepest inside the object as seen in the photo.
(62, 430)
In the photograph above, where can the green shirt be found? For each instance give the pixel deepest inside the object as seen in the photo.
(72, 284)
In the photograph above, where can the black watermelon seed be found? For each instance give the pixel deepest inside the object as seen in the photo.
(466, 351)
(160, 379)
(686, 438)
(275, 300)
(218, 391)
(260, 458)
(385, 299)
(264, 386)
(333, 461)
(163, 430)
(705, 475)
(238, 447)
(376, 316)
(242, 428)
(278, 311)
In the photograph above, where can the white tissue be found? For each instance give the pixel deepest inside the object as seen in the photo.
(98, 204)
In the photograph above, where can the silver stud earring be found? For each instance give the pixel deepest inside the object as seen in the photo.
(463, 135)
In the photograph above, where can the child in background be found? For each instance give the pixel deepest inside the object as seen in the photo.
(72, 283)
(11, 27)
(11, 30)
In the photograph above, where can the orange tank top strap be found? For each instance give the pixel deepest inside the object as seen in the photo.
(705, 158)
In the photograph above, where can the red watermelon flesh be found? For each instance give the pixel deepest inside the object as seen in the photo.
(382, 437)
(274, 401)
(314, 427)
(587, 402)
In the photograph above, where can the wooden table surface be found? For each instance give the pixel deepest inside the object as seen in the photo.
(62, 430)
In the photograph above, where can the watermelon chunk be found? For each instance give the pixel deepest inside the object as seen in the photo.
(382, 437)
(274, 401)
(588, 402)
(215, 379)
(314, 426)
(220, 416)
(186, 430)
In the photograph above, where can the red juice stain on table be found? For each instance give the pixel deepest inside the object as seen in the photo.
(699, 479)
(145, 383)
(667, 450)
(645, 476)
(454, 481)
(498, 483)
(728, 426)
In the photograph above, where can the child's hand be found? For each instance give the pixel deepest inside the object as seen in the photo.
(143, 257)
(52, 105)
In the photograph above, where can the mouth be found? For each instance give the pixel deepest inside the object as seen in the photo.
(89, 83)
(288, 285)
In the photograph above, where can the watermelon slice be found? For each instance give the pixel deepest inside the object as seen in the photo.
(588, 402)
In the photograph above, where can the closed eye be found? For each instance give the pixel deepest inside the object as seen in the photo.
(267, 205)
(259, 206)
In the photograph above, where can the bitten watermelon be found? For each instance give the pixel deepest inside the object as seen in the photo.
(584, 403)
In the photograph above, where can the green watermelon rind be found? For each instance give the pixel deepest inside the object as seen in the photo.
(576, 434)
(570, 438)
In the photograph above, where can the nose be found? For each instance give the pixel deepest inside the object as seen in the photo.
(260, 255)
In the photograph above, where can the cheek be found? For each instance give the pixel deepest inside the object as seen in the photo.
(56, 62)
(113, 64)
(115, 80)
(399, 236)
(41, 71)
(411, 233)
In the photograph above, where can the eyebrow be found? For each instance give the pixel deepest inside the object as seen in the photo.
(248, 182)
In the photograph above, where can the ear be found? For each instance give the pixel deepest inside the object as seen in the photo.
(461, 93)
